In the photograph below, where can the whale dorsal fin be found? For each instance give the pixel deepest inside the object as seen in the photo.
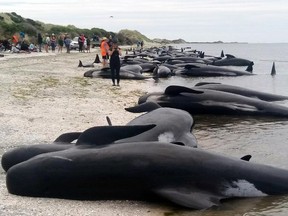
(193, 199)
(80, 64)
(246, 157)
(222, 54)
(273, 70)
(175, 90)
(97, 59)
(103, 135)
(144, 107)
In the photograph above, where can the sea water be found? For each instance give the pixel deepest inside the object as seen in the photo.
(266, 139)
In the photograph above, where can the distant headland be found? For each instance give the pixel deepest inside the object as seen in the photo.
(12, 23)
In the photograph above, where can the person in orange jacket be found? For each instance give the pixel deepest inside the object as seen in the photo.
(104, 47)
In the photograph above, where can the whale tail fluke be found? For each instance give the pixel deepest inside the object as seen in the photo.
(273, 71)
(80, 64)
(250, 67)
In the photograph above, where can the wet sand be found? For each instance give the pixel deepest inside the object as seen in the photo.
(44, 95)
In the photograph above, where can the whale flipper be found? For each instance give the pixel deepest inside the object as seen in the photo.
(103, 135)
(195, 199)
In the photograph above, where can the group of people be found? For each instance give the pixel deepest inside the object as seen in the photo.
(53, 42)
(110, 51)
(63, 40)
(18, 43)
(84, 43)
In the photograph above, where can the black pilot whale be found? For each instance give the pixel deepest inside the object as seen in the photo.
(189, 177)
(207, 101)
(96, 136)
(166, 128)
(241, 91)
(172, 125)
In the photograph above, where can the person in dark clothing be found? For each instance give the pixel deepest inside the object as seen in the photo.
(6, 45)
(88, 44)
(25, 46)
(40, 41)
(115, 54)
(81, 40)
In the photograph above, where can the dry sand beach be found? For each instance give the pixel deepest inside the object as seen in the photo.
(44, 95)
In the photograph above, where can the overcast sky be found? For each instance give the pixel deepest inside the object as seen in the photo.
(192, 20)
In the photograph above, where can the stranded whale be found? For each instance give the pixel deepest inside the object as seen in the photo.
(186, 176)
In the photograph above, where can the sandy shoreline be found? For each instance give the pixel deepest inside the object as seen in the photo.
(43, 95)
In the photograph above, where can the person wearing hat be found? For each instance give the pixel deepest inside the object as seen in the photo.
(53, 42)
(104, 47)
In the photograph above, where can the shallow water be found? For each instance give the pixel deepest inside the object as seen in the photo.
(266, 139)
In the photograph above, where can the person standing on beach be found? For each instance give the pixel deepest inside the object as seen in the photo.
(47, 43)
(39, 41)
(67, 43)
(81, 40)
(104, 47)
(110, 41)
(60, 43)
(88, 44)
(53, 42)
(115, 65)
